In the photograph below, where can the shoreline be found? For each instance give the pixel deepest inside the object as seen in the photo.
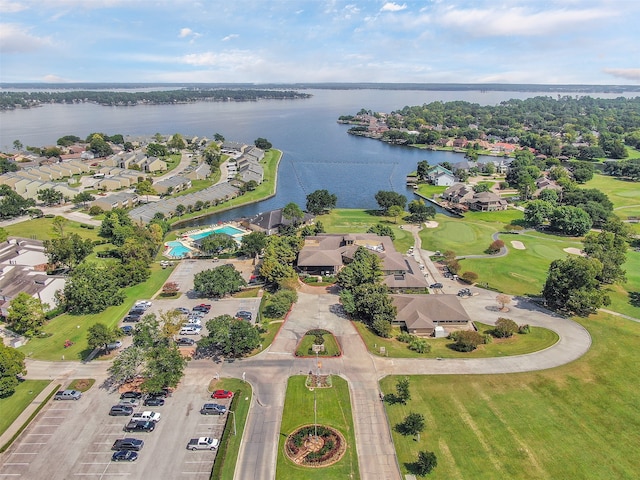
(178, 224)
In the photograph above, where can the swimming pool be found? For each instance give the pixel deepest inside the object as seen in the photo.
(178, 250)
(227, 229)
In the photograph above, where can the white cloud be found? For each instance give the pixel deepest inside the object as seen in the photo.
(393, 7)
(7, 6)
(230, 37)
(185, 32)
(519, 21)
(54, 79)
(626, 73)
(17, 39)
(231, 59)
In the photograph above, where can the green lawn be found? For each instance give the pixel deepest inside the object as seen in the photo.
(241, 411)
(334, 410)
(331, 348)
(428, 190)
(622, 295)
(11, 407)
(74, 327)
(359, 221)
(624, 195)
(521, 272)
(470, 235)
(538, 339)
(41, 229)
(578, 421)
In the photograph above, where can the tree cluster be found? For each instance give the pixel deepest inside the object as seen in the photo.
(321, 201)
(11, 366)
(629, 169)
(280, 253)
(13, 205)
(218, 282)
(26, 315)
(230, 336)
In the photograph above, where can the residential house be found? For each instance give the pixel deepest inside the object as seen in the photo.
(270, 222)
(326, 254)
(172, 185)
(487, 202)
(116, 200)
(458, 193)
(201, 172)
(421, 314)
(444, 179)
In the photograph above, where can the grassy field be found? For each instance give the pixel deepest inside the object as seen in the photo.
(41, 229)
(468, 236)
(74, 327)
(331, 348)
(538, 339)
(334, 410)
(11, 407)
(241, 412)
(624, 195)
(578, 421)
(521, 272)
(359, 221)
(625, 298)
(428, 190)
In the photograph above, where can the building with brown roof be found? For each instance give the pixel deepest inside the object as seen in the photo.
(421, 314)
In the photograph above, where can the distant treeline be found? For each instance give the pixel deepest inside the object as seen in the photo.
(12, 100)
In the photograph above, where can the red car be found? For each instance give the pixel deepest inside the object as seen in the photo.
(222, 394)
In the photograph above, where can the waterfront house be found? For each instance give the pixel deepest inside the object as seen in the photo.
(271, 221)
(487, 202)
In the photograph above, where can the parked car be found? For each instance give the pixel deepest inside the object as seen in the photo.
(197, 313)
(222, 394)
(243, 314)
(183, 310)
(128, 444)
(185, 342)
(165, 392)
(192, 330)
(137, 311)
(114, 345)
(147, 415)
(436, 285)
(127, 330)
(67, 395)
(131, 394)
(202, 308)
(132, 318)
(213, 409)
(132, 402)
(193, 321)
(121, 410)
(124, 456)
(140, 426)
(143, 304)
(153, 402)
(203, 443)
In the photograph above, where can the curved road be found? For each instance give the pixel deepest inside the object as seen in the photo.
(268, 373)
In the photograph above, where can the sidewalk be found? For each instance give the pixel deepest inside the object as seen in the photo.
(27, 412)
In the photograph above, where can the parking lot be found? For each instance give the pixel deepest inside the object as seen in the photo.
(73, 439)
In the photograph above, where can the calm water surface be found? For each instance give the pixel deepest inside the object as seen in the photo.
(318, 153)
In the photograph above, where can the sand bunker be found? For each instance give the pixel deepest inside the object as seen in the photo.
(431, 224)
(574, 251)
(518, 245)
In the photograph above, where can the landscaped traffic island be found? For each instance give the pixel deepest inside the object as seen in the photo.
(324, 447)
(318, 342)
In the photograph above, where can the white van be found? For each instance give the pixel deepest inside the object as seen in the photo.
(190, 330)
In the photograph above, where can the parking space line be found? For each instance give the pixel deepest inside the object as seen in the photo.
(38, 426)
(10, 474)
(52, 417)
(24, 453)
(33, 443)
(40, 434)
(95, 463)
(199, 461)
(15, 463)
(101, 474)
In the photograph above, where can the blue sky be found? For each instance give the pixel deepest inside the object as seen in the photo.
(261, 41)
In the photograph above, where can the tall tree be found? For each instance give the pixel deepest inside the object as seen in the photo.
(293, 213)
(50, 196)
(91, 288)
(99, 336)
(321, 201)
(11, 365)
(253, 243)
(67, 251)
(387, 199)
(569, 220)
(234, 337)
(26, 315)
(164, 368)
(218, 282)
(572, 286)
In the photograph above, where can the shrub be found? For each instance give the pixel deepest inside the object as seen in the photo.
(495, 246)
(505, 328)
(524, 329)
(469, 277)
(404, 337)
(95, 210)
(487, 338)
(419, 345)
(467, 341)
(381, 327)
(453, 266)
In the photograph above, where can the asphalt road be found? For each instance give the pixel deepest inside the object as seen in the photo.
(83, 426)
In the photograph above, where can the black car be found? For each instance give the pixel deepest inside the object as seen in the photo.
(124, 456)
(161, 394)
(128, 444)
(154, 402)
(140, 426)
(435, 285)
(132, 318)
(131, 394)
(185, 342)
(244, 315)
(121, 410)
(202, 308)
(127, 330)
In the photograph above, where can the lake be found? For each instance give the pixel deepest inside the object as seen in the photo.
(318, 153)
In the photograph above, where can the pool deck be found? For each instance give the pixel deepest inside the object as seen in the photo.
(187, 241)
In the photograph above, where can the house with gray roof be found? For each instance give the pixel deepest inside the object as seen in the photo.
(421, 314)
(326, 254)
(271, 221)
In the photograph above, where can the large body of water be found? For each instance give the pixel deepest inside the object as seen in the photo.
(318, 153)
